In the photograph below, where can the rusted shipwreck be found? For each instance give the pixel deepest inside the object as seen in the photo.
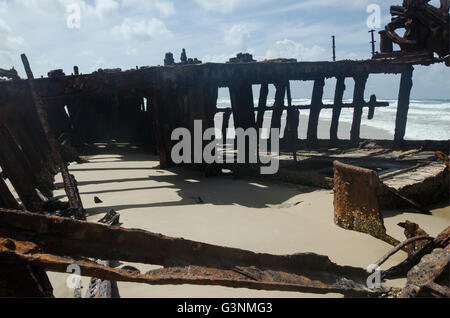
(43, 122)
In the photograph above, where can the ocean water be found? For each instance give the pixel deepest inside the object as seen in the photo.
(427, 119)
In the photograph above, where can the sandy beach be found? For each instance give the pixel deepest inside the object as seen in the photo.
(266, 217)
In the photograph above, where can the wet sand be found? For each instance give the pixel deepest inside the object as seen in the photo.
(254, 215)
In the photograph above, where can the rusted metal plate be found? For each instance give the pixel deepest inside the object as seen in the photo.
(355, 201)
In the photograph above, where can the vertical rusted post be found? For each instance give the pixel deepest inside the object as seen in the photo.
(162, 125)
(404, 94)
(337, 107)
(114, 119)
(263, 93)
(149, 117)
(334, 47)
(372, 41)
(241, 95)
(278, 106)
(69, 182)
(225, 124)
(358, 104)
(316, 107)
(201, 103)
(292, 120)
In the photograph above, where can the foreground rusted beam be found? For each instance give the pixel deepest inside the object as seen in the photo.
(356, 203)
(26, 253)
(60, 236)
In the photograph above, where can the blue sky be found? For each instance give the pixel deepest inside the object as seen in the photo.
(130, 33)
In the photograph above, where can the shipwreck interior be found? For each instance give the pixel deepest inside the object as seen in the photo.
(48, 123)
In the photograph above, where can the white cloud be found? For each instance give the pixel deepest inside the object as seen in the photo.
(223, 6)
(237, 37)
(290, 49)
(46, 7)
(3, 6)
(162, 7)
(227, 6)
(10, 45)
(104, 8)
(100, 8)
(142, 30)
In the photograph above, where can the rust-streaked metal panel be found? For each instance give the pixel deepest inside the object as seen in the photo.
(356, 203)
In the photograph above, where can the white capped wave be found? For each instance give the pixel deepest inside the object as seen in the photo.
(427, 119)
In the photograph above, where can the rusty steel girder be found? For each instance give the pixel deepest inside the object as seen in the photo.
(41, 241)
(75, 204)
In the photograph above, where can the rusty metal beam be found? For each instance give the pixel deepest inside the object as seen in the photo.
(307, 107)
(61, 236)
(222, 75)
(26, 253)
(69, 183)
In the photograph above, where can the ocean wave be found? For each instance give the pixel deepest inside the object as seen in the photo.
(427, 119)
